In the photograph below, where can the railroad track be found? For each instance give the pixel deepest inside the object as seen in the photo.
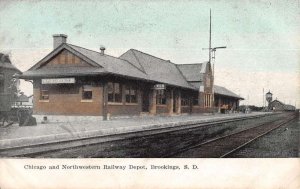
(37, 150)
(224, 146)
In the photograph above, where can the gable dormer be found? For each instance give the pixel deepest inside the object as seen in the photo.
(65, 58)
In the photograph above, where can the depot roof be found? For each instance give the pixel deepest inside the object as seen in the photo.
(225, 92)
(133, 64)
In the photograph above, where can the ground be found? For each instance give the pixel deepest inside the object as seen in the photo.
(284, 144)
(281, 143)
(105, 127)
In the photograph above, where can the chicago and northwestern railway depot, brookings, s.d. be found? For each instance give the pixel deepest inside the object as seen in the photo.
(75, 81)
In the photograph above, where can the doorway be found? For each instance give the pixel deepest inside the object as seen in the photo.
(145, 101)
(175, 102)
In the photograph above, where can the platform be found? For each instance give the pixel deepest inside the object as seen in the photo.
(17, 136)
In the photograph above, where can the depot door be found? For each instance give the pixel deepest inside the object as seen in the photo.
(145, 101)
(175, 102)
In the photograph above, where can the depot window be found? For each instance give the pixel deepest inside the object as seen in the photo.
(44, 94)
(185, 99)
(195, 100)
(160, 97)
(87, 92)
(1, 86)
(131, 94)
(184, 102)
(114, 91)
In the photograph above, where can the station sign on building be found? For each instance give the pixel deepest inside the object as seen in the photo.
(58, 80)
(159, 87)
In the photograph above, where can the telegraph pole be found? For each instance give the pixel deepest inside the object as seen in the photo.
(211, 55)
(263, 105)
(211, 50)
(209, 45)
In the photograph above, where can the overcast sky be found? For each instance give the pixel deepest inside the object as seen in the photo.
(262, 37)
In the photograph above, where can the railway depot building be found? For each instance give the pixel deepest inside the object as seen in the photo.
(72, 81)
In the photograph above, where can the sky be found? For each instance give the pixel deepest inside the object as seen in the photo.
(262, 37)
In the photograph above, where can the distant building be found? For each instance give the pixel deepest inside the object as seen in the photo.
(276, 105)
(73, 80)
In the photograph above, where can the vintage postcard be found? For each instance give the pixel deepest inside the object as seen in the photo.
(149, 94)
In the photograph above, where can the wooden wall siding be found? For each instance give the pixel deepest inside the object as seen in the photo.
(64, 103)
(185, 109)
(66, 58)
(197, 109)
(115, 110)
(161, 109)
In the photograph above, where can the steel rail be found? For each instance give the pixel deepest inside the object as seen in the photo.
(39, 148)
(243, 145)
(290, 118)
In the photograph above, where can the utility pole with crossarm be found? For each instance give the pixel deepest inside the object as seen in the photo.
(212, 56)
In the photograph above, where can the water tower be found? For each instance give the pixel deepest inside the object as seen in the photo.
(269, 98)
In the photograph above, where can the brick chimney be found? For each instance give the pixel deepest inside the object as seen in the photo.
(58, 39)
